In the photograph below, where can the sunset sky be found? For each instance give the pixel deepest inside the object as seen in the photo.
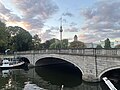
(90, 20)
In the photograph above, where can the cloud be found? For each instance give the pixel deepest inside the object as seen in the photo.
(47, 35)
(55, 29)
(71, 29)
(73, 24)
(6, 15)
(32, 12)
(68, 14)
(3, 10)
(102, 19)
(40, 9)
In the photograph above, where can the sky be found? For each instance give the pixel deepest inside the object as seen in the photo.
(90, 20)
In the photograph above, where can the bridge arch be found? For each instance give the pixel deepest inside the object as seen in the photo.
(58, 60)
(26, 60)
(107, 70)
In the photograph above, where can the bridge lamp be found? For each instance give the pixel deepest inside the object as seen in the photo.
(7, 51)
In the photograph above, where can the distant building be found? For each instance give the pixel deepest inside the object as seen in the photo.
(75, 38)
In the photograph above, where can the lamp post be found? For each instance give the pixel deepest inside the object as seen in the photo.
(6, 51)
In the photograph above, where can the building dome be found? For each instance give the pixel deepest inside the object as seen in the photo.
(75, 38)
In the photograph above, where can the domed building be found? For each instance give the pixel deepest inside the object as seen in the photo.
(75, 38)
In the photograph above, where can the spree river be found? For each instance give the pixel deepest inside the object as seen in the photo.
(47, 78)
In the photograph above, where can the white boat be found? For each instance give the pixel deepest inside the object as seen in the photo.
(6, 64)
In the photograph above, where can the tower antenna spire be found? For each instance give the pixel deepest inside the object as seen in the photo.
(61, 21)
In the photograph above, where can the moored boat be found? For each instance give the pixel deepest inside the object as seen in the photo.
(6, 64)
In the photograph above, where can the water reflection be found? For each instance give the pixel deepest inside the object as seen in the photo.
(60, 75)
(8, 80)
(5, 73)
(30, 86)
(46, 78)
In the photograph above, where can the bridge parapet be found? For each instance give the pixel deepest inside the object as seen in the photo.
(92, 52)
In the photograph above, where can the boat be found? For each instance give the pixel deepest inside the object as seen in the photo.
(8, 64)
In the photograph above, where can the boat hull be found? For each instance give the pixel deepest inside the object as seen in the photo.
(19, 65)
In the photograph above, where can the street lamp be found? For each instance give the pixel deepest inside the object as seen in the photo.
(6, 51)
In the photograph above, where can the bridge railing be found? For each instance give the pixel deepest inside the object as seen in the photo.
(84, 51)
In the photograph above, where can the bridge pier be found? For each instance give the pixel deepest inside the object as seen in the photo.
(90, 78)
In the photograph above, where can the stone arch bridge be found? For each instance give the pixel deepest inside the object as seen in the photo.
(93, 63)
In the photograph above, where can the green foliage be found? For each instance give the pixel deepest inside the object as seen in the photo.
(99, 46)
(2, 26)
(36, 41)
(77, 44)
(48, 43)
(23, 40)
(107, 44)
(13, 31)
(4, 37)
(15, 38)
(59, 45)
(19, 39)
(55, 45)
(64, 43)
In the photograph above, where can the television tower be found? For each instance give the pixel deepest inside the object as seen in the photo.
(61, 30)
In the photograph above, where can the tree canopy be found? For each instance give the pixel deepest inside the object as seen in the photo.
(4, 37)
(77, 44)
(23, 40)
(107, 44)
(36, 42)
(99, 46)
(14, 38)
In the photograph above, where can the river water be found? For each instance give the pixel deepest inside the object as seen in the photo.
(51, 77)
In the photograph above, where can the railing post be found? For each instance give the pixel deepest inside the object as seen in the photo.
(95, 62)
(83, 51)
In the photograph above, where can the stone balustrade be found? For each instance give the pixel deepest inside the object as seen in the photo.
(93, 51)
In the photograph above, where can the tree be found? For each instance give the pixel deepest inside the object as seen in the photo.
(107, 44)
(99, 46)
(64, 43)
(77, 44)
(13, 31)
(4, 37)
(36, 42)
(55, 45)
(48, 43)
(22, 40)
